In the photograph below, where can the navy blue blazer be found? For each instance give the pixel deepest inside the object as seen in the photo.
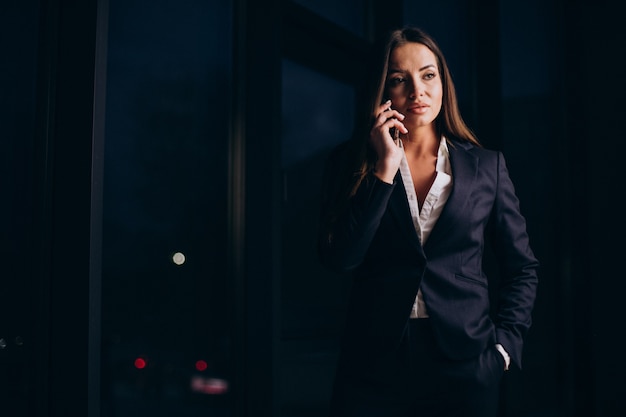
(375, 240)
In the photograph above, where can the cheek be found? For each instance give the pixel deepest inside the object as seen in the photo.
(394, 93)
(437, 102)
(438, 96)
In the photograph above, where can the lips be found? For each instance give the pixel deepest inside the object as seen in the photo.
(418, 108)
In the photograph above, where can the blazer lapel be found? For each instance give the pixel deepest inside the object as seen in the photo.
(464, 166)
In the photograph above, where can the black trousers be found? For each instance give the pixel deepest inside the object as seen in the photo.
(423, 383)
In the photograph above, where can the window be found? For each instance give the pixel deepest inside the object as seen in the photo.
(166, 296)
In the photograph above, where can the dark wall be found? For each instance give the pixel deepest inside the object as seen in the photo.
(593, 92)
(562, 80)
(561, 89)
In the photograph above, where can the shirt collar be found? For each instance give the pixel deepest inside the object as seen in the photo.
(443, 157)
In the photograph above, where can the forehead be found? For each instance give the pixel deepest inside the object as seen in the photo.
(411, 55)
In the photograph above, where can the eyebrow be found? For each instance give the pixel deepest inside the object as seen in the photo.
(392, 70)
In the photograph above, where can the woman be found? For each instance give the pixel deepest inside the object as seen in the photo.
(408, 210)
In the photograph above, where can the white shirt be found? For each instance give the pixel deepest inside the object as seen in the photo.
(424, 218)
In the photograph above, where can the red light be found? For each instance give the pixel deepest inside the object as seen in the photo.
(201, 365)
(140, 363)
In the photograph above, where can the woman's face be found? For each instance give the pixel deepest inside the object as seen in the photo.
(414, 84)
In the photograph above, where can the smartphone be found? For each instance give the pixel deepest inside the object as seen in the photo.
(395, 133)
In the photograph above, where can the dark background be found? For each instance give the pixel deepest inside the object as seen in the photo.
(133, 130)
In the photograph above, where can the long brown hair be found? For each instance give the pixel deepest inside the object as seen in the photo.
(449, 123)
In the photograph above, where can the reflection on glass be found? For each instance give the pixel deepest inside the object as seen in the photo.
(349, 14)
(19, 183)
(317, 115)
(166, 294)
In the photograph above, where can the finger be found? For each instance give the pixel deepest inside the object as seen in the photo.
(387, 116)
(385, 107)
(400, 126)
(383, 116)
(389, 113)
(397, 124)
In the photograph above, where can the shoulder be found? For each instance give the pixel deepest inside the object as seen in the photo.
(456, 146)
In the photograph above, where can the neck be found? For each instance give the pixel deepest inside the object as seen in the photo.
(421, 144)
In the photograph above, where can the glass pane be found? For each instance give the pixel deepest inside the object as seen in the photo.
(166, 310)
(349, 14)
(19, 32)
(317, 114)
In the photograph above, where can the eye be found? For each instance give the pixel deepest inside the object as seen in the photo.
(429, 75)
(395, 81)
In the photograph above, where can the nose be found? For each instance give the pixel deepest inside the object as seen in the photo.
(416, 89)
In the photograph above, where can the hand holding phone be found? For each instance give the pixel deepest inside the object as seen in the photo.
(384, 139)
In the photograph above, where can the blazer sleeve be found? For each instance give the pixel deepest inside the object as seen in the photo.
(343, 239)
(518, 267)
